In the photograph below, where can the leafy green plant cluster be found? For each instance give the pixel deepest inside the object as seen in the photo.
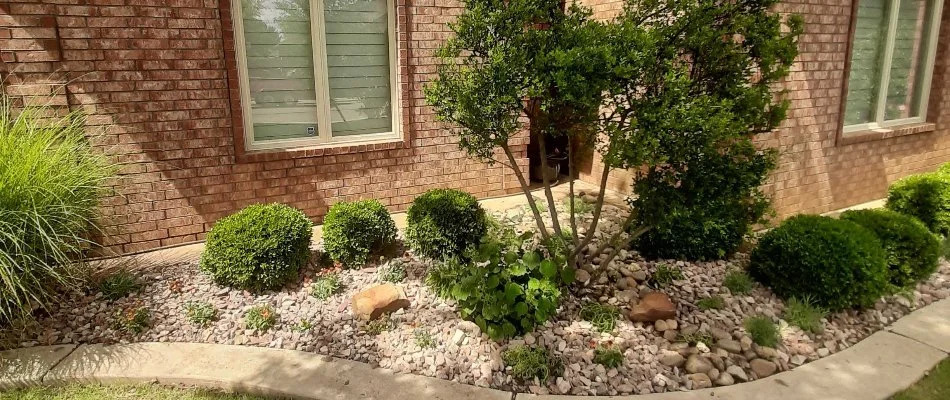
(665, 274)
(505, 289)
(925, 197)
(738, 282)
(443, 223)
(527, 363)
(303, 326)
(580, 206)
(378, 326)
(200, 313)
(133, 320)
(352, 231)
(119, 284)
(602, 316)
(711, 303)
(325, 286)
(51, 183)
(424, 339)
(259, 248)
(260, 317)
(696, 337)
(608, 356)
(836, 263)
(912, 250)
(394, 271)
(804, 314)
(762, 331)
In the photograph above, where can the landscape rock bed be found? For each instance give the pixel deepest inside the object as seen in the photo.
(655, 357)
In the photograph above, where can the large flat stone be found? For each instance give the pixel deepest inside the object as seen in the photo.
(930, 325)
(26, 367)
(271, 372)
(874, 369)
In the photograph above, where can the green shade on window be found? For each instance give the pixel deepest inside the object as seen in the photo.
(907, 67)
(867, 54)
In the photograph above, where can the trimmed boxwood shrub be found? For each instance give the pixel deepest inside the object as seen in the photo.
(925, 197)
(354, 230)
(836, 263)
(260, 247)
(912, 250)
(442, 223)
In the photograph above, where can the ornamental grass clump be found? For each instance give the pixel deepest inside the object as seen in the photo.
(527, 363)
(119, 284)
(51, 183)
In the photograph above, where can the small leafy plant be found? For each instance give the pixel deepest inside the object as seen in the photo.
(132, 320)
(394, 272)
(608, 356)
(424, 339)
(377, 326)
(325, 286)
(527, 363)
(119, 284)
(580, 206)
(738, 282)
(665, 275)
(261, 318)
(711, 303)
(696, 337)
(200, 313)
(762, 331)
(602, 316)
(303, 326)
(804, 314)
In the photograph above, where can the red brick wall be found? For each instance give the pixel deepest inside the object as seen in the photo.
(818, 171)
(158, 78)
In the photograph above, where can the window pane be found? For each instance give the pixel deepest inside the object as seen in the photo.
(910, 56)
(357, 33)
(867, 55)
(280, 67)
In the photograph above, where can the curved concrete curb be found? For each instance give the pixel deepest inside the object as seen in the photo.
(874, 369)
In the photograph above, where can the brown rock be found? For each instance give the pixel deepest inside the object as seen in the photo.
(763, 368)
(652, 307)
(378, 300)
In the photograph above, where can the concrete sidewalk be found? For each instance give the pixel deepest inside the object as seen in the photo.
(874, 369)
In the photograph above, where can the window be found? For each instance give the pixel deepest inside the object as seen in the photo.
(316, 72)
(892, 60)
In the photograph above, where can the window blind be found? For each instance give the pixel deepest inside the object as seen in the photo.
(910, 45)
(867, 56)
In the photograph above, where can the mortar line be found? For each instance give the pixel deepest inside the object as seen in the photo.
(56, 364)
(890, 330)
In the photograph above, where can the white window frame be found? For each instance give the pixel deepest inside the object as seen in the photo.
(325, 137)
(932, 37)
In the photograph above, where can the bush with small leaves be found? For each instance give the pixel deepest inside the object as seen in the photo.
(352, 231)
(912, 250)
(443, 223)
(377, 326)
(608, 356)
(258, 248)
(762, 331)
(132, 320)
(394, 271)
(711, 303)
(925, 197)
(424, 339)
(200, 313)
(838, 264)
(325, 286)
(665, 275)
(527, 363)
(805, 315)
(738, 282)
(261, 318)
(602, 316)
(119, 284)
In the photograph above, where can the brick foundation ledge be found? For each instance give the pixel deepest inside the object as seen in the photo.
(874, 369)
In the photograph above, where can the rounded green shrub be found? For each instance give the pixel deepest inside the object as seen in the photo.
(925, 197)
(838, 264)
(442, 223)
(912, 250)
(260, 247)
(354, 230)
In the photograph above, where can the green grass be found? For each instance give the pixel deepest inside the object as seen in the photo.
(119, 284)
(665, 275)
(120, 392)
(608, 356)
(804, 314)
(528, 363)
(711, 303)
(934, 386)
(602, 316)
(738, 282)
(762, 331)
(51, 180)
(580, 206)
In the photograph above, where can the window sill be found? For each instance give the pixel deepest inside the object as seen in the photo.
(871, 135)
(321, 150)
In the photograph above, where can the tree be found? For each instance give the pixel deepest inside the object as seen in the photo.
(666, 83)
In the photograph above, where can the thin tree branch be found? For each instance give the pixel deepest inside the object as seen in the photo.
(552, 208)
(527, 191)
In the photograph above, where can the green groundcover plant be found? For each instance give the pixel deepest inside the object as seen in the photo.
(51, 181)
